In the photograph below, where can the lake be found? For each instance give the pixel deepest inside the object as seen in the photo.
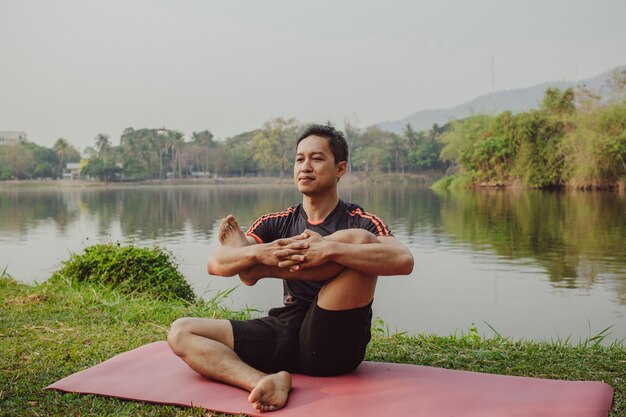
(530, 264)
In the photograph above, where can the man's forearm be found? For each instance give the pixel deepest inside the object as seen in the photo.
(228, 261)
(376, 258)
(318, 273)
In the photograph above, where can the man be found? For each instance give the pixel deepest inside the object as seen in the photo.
(329, 254)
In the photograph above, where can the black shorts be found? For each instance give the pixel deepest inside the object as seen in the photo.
(304, 338)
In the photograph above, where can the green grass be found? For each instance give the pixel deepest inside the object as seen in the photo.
(51, 330)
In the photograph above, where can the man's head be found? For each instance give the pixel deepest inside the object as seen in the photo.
(321, 154)
(336, 141)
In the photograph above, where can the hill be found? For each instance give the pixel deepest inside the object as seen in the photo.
(516, 100)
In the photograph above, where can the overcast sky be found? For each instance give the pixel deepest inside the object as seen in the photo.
(74, 69)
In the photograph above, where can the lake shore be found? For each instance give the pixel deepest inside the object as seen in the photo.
(425, 179)
(51, 330)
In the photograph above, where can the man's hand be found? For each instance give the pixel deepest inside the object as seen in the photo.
(282, 250)
(307, 250)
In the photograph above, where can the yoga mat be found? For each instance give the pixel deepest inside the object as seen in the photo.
(153, 373)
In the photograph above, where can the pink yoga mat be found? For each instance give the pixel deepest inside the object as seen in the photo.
(153, 373)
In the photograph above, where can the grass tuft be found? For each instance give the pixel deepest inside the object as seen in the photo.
(130, 270)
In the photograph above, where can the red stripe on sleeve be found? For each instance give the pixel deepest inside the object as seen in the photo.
(380, 225)
(261, 219)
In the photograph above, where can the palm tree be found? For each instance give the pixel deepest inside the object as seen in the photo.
(176, 143)
(61, 147)
(103, 144)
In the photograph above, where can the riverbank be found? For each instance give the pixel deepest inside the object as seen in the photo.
(424, 179)
(456, 181)
(51, 330)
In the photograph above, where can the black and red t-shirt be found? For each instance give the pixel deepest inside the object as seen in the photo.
(294, 221)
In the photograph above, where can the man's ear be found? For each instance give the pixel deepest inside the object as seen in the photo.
(341, 169)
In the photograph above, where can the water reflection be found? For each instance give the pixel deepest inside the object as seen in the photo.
(577, 237)
(21, 211)
(472, 248)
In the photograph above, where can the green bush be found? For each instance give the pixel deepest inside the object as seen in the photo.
(452, 182)
(129, 270)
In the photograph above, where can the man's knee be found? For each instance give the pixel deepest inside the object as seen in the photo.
(179, 331)
(183, 330)
(354, 236)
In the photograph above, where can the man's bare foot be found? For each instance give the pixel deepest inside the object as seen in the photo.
(251, 275)
(230, 234)
(271, 392)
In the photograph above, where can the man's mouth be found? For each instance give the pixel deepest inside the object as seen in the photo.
(306, 179)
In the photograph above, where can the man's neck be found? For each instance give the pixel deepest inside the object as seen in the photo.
(317, 208)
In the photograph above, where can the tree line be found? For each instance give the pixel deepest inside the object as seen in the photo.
(267, 151)
(574, 139)
(27, 160)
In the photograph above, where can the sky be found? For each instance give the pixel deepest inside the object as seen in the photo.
(77, 68)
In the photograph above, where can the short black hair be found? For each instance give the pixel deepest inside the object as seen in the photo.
(336, 141)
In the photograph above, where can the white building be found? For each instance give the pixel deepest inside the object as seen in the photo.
(8, 137)
(73, 171)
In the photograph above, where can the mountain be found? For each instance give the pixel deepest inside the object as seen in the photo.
(517, 100)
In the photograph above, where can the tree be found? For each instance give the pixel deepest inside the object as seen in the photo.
(200, 153)
(16, 161)
(371, 159)
(90, 151)
(203, 138)
(103, 144)
(60, 148)
(558, 102)
(411, 137)
(397, 147)
(45, 161)
(352, 133)
(103, 169)
(240, 154)
(595, 150)
(175, 142)
(273, 145)
(461, 135)
(144, 150)
(65, 153)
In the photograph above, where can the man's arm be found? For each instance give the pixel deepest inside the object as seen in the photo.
(227, 261)
(387, 257)
(230, 260)
(311, 257)
(362, 251)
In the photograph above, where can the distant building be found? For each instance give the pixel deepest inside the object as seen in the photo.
(9, 137)
(73, 169)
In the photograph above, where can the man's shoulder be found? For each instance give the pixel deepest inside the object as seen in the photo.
(352, 207)
(366, 219)
(290, 211)
(273, 220)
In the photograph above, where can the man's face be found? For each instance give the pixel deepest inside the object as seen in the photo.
(315, 170)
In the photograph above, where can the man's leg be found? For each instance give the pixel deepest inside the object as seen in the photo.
(336, 331)
(350, 288)
(206, 345)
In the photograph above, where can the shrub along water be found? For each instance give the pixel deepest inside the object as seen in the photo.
(557, 145)
(128, 269)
